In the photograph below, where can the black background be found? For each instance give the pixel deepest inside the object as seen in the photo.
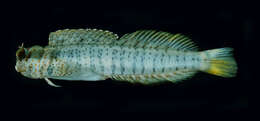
(210, 25)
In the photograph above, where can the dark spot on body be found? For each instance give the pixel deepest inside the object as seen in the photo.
(49, 70)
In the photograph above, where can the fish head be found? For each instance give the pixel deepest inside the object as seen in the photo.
(28, 61)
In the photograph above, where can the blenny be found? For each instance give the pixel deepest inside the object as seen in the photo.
(144, 56)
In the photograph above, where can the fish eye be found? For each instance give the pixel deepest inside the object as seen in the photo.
(20, 53)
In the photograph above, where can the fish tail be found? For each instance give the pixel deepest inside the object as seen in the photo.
(219, 62)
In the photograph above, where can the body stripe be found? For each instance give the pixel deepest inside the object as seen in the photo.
(163, 62)
(101, 64)
(143, 55)
(92, 59)
(107, 59)
(134, 62)
(116, 55)
(122, 60)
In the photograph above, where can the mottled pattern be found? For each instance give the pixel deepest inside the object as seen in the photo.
(144, 56)
(80, 36)
(115, 60)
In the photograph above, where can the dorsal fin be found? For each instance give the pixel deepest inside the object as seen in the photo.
(153, 39)
(81, 36)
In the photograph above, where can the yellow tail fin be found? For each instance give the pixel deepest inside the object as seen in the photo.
(219, 62)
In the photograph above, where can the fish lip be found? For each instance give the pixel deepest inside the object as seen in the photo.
(16, 68)
(19, 69)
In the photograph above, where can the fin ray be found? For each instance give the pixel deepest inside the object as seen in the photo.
(156, 78)
(81, 36)
(219, 62)
(153, 39)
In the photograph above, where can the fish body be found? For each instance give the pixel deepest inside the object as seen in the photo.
(145, 56)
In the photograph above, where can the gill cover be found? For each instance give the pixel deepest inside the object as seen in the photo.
(21, 54)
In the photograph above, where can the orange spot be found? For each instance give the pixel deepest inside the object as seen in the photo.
(153, 76)
(130, 77)
(138, 77)
(159, 76)
(30, 66)
(119, 77)
(145, 76)
(167, 75)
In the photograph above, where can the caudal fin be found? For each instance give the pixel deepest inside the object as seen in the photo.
(219, 62)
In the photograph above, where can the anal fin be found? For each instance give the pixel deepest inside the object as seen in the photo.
(156, 78)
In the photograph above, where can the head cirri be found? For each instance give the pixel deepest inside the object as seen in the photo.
(28, 61)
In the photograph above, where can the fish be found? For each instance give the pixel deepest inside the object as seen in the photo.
(143, 56)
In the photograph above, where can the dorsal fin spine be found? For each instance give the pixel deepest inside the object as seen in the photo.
(154, 39)
(158, 43)
(190, 45)
(99, 34)
(147, 36)
(177, 41)
(173, 40)
(162, 40)
(181, 39)
(166, 37)
(137, 38)
(187, 46)
(143, 38)
(124, 36)
(131, 37)
(81, 36)
(182, 42)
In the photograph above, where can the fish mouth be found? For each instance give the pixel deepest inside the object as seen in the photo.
(19, 69)
(16, 68)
